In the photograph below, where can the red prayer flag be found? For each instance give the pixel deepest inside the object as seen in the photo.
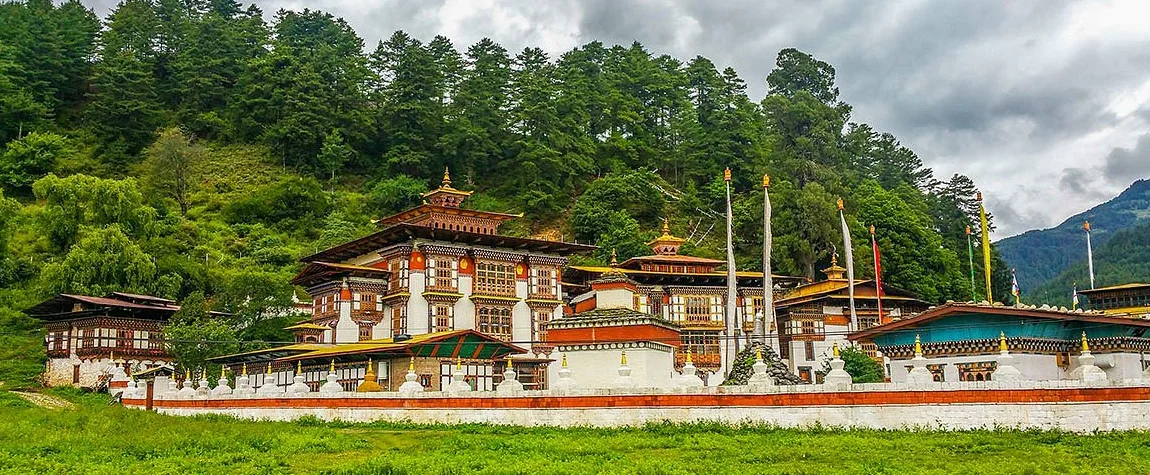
(877, 274)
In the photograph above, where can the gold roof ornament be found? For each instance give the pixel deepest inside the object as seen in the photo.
(666, 243)
(917, 346)
(614, 258)
(446, 177)
(1002, 341)
(370, 383)
(1085, 345)
(835, 349)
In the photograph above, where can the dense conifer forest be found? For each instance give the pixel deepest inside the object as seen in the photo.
(197, 149)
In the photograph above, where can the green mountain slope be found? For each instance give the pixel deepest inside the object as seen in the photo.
(1039, 256)
(1124, 258)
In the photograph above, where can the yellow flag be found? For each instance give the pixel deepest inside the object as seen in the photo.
(985, 246)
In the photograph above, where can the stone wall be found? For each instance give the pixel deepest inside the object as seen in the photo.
(1063, 405)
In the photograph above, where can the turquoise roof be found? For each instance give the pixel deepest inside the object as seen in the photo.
(976, 326)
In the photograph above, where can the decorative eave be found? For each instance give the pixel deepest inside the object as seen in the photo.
(406, 233)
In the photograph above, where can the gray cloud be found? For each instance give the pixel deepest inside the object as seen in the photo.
(1004, 92)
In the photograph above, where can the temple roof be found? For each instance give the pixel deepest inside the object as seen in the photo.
(61, 306)
(426, 209)
(672, 278)
(1130, 286)
(401, 233)
(839, 289)
(466, 344)
(606, 317)
(671, 259)
(320, 272)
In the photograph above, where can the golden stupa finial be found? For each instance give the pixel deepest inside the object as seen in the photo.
(187, 374)
(840, 204)
(245, 369)
(269, 367)
(299, 367)
(835, 349)
(759, 354)
(917, 346)
(766, 181)
(614, 259)
(446, 178)
(331, 369)
(459, 363)
(834, 259)
(564, 360)
(689, 355)
(623, 359)
(727, 175)
(666, 227)
(222, 375)
(112, 356)
(1085, 345)
(411, 365)
(1002, 341)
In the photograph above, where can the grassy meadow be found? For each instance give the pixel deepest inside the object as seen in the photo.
(95, 438)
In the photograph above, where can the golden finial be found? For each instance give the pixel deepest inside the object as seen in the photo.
(623, 360)
(245, 369)
(112, 355)
(689, 355)
(614, 261)
(834, 259)
(1085, 345)
(331, 369)
(564, 360)
(1001, 341)
(269, 367)
(411, 365)
(917, 346)
(835, 349)
(446, 177)
(759, 354)
(299, 367)
(187, 374)
(840, 204)
(766, 181)
(727, 174)
(459, 363)
(1086, 226)
(872, 230)
(222, 375)
(666, 227)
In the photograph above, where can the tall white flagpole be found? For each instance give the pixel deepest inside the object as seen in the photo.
(850, 267)
(1089, 255)
(730, 340)
(762, 325)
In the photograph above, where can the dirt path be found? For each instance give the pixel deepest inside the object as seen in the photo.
(44, 400)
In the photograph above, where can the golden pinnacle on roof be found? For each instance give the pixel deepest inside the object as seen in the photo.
(1085, 345)
(614, 259)
(623, 359)
(446, 177)
(666, 227)
(917, 346)
(835, 349)
(834, 259)
(1002, 341)
(766, 181)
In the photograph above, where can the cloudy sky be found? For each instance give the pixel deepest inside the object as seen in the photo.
(1045, 104)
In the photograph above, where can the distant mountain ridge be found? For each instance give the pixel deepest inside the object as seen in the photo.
(1040, 256)
(1123, 259)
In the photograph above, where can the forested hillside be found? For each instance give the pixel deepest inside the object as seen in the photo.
(191, 148)
(1123, 259)
(1043, 256)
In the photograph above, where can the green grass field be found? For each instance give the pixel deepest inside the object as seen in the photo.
(94, 438)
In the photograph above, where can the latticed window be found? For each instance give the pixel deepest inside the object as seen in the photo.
(495, 278)
(443, 318)
(495, 321)
(805, 327)
(543, 281)
(699, 309)
(365, 301)
(756, 306)
(400, 273)
(399, 320)
(442, 273)
(701, 344)
(540, 319)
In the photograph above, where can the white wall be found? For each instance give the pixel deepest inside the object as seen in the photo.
(597, 369)
(1033, 367)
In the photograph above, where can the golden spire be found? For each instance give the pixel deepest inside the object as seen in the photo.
(666, 227)
(917, 346)
(332, 368)
(446, 178)
(689, 355)
(727, 174)
(1085, 345)
(872, 230)
(187, 374)
(835, 350)
(245, 369)
(840, 204)
(759, 354)
(564, 360)
(269, 367)
(623, 360)
(411, 365)
(1001, 341)
(222, 375)
(112, 355)
(834, 259)
(766, 181)
(459, 363)
(299, 367)
(614, 260)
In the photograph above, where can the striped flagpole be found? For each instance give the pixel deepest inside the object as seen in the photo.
(985, 247)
